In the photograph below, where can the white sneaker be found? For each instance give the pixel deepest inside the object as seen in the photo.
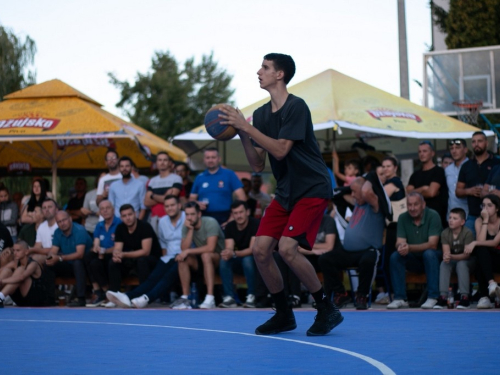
(8, 301)
(140, 302)
(397, 304)
(109, 305)
(494, 290)
(118, 298)
(484, 303)
(429, 304)
(382, 299)
(250, 302)
(181, 304)
(208, 303)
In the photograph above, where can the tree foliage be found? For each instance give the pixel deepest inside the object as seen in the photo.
(171, 99)
(469, 23)
(16, 59)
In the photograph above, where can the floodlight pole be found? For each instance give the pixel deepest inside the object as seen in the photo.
(403, 52)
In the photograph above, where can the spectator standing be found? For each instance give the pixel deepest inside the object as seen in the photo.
(71, 242)
(263, 200)
(473, 175)
(458, 151)
(90, 209)
(237, 254)
(37, 197)
(430, 181)
(251, 203)
(128, 190)
(166, 272)
(9, 212)
(165, 183)
(111, 159)
(446, 160)
(213, 188)
(76, 203)
(417, 250)
(208, 239)
(28, 232)
(182, 170)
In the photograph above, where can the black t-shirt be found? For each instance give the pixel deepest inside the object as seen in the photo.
(133, 241)
(397, 195)
(5, 238)
(472, 174)
(303, 172)
(438, 203)
(328, 226)
(242, 238)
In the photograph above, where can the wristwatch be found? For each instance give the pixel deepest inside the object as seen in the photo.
(234, 254)
(60, 258)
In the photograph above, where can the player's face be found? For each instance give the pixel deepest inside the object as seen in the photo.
(192, 216)
(267, 74)
(415, 207)
(106, 209)
(211, 159)
(128, 217)
(455, 221)
(240, 215)
(162, 162)
(172, 208)
(425, 153)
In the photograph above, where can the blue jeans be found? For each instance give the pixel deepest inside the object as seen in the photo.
(159, 281)
(427, 261)
(469, 223)
(245, 265)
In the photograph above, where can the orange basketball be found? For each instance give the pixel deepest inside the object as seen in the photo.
(215, 128)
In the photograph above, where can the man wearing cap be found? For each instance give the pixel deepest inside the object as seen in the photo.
(458, 151)
(430, 181)
(473, 175)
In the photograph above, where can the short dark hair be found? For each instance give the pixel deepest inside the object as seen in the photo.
(4, 188)
(171, 196)
(284, 63)
(353, 162)
(211, 149)
(447, 155)
(126, 158)
(238, 203)
(479, 132)
(47, 199)
(111, 150)
(182, 164)
(459, 211)
(164, 153)
(192, 205)
(126, 206)
(23, 244)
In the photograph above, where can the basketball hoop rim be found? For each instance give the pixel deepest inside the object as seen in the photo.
(468, 104)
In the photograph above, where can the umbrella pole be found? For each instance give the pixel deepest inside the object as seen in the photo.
(54, 169)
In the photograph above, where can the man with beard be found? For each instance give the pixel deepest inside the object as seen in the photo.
(105, 182)
(458, 151)
(473, 175)
(128, 190)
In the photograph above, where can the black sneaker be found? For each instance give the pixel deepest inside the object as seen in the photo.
(464, 302)
(294, 301)
(442, 303)
(282, 321)
(1, 303)
(97, 299)
(361, 303)
(328, 318)
(341, 299)
(79, 303)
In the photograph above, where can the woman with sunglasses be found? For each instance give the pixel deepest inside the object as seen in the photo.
(486, 248)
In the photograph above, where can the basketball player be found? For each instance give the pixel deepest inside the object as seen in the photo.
(283, 128)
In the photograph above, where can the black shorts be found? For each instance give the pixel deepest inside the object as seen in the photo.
(37, 296)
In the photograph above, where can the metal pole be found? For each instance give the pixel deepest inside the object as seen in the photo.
(403, 52)
(54, 169)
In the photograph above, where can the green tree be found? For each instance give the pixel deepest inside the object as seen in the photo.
(469, 23)
(16, 62)
(171, 99)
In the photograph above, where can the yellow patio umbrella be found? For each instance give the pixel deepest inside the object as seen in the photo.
(52, 126)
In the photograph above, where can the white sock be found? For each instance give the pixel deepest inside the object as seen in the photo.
(184, 296)
(2, 297)
(209, 298)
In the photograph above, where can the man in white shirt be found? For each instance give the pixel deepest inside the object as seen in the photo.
(46, 230)
(114, 174)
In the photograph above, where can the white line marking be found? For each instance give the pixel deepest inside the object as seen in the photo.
(378, 365)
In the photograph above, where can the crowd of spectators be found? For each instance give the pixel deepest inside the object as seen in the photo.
(175, 235)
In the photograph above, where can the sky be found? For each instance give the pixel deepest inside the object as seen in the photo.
(79, 42)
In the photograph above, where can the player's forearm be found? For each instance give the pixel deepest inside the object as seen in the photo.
(273, 146)
(254, 159)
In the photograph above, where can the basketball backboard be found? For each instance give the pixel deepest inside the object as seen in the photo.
(462, 74)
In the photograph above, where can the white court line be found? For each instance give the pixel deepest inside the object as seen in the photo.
(378, 365)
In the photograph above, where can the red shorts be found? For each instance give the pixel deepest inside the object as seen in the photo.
(301, 224)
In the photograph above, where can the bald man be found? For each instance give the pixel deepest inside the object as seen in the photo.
(71, 241)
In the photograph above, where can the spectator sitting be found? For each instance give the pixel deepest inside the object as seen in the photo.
(237, 254)
(213, 188)
(112, 176)
(453, 241)
(37, 197)
(208, 238)
(69, 245)
(166, 272)
(76, 202)
(45, 231)
(28, 232)
(136, 247)
(9, 212)
(251, 203)
(263, 200)
(25, 280)
(485, 248)
(97, 260)
(417, 250)
(128, 190)
(6, 244)
(362, 242)
(90, 209)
